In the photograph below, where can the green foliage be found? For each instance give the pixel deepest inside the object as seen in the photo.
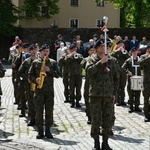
(33, 8)
(8, 15)
(133, 13)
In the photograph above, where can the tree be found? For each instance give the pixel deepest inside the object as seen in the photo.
(33, 8)
(8, 16)
(133, 13)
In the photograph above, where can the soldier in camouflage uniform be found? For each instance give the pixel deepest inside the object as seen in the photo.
(102, 73)
(23, 71)
(75, 75)
(90, 51)
(11, 60)
(2, 74)
(20, 80)
(121, 55)
(145, 64)
(44, 96)
(63, 62)
(130, 66)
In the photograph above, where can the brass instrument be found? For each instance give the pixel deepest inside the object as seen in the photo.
(123, 50)
(75, 56)
(42, 74)
(32, 87)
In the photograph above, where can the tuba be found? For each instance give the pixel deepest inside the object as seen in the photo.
(42, 74)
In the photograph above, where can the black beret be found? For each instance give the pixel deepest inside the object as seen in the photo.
(120, 41)
(18, 46)
(99, 42)
(133, 49)
(73, 46)
(44, 46)
(89, 47)
(32, 46)
(109, 44)
(25, 45)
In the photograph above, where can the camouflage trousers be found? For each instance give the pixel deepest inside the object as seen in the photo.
(75, 88)
(146, 95)
(66, 86)
(121, 88)
(44, 100)
(86, 98)
(31, 102)
(134, 96)
(23, 99)
(101, 115)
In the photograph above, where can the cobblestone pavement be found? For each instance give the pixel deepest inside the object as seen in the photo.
(70, 129)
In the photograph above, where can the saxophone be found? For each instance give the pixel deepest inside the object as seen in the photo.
(42, 74)
(32, 87)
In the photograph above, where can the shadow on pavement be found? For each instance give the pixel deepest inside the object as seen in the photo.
(61, 142)
(5, 134)
(127, 139)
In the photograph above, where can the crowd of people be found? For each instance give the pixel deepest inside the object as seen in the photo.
(106, 76)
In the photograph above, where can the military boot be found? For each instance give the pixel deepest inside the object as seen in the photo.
(137, 109)
(40, 134)
(105, 145)
(22, 113)
(31, 122)
(77, 104)
(72, 103)
(96, 144)
(48, 133)
(131, 109)
(89, 120)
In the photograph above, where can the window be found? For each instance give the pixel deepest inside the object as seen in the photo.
(101, 4)
(74, 23)
(44, 11)
(74, 2)
(99, 23)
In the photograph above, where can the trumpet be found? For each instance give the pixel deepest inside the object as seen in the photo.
(123, 50)
(75, 56)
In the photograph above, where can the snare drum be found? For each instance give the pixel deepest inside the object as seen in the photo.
(136, 83)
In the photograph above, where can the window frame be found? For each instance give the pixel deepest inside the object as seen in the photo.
(100, 4)
(71, 3)
(73, 19)
(101, 23)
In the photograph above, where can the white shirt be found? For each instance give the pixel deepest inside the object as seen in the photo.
(60, 52)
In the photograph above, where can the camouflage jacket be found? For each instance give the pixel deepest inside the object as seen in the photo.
(120, 57)
(35, 69)
(24, 68)
(102, 84)
(144, 63)
(64, 64)
(127, 66)
(74, 67)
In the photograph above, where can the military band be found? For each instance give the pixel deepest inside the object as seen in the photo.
(106, 75)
